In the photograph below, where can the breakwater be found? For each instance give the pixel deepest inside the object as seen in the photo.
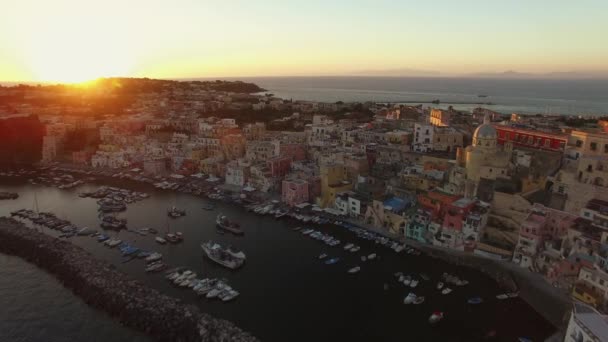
(100, 285)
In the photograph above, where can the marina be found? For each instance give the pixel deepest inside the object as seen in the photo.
(304, 283)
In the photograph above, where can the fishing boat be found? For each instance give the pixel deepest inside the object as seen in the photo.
(218, 254)
(224, 223)
(475, 300)
(354, 269)
(410, 298)
(436, 317)
(175, 213)
(332, 261)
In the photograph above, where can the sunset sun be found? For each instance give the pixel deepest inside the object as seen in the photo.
(72, 51)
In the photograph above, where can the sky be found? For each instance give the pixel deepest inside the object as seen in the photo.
(77, 40)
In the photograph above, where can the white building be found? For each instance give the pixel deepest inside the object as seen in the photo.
(586, 325)
(423, 137)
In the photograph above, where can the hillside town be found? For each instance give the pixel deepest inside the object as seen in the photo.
(528, 189)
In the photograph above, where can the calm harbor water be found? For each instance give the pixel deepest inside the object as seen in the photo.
(287, 294)
(36, 307)
(524, 96)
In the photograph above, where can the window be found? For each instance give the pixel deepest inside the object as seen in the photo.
(547, 143)
(593, 146)
(606, 148)
(579, 143)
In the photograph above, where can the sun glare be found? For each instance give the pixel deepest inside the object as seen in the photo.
(70, 53)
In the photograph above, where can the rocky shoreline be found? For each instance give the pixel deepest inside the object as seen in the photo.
(100, 285)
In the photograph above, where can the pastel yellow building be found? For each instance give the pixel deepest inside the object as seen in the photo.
(334, 179)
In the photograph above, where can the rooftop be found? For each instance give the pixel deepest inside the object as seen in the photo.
(591, 320)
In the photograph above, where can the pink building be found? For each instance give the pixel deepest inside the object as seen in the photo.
(294, 192)
(542, 225)
(295, 151)
(279, 166)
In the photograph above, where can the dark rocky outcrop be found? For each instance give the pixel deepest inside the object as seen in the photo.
(102, 286)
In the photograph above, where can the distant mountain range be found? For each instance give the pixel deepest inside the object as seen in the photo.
(509, 74)
(556, 74)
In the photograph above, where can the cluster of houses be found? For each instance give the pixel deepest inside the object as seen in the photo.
(522, 188)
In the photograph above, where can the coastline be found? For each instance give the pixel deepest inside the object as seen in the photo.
(101, 286)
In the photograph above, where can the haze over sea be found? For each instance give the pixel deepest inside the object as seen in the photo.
(520, 95)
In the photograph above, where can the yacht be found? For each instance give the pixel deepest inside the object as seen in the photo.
(218, 254)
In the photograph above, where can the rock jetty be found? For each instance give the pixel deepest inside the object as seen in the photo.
(100, 285)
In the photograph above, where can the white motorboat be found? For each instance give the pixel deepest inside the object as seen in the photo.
(322, 256)
(436, 317)
(414, 283)
(512, 294)
(502, 296)
(348, 246)
(371, 256)
(407, 280)
(355, 249)
(160, 240)
(154, 257)
(230, 295)
(411, 297)
(446, 291)
(364, 258)
(439, 285)
(354, 269)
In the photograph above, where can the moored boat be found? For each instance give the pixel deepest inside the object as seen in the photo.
(224, 223)
(218, 254)
(354, 269)
(436, 317)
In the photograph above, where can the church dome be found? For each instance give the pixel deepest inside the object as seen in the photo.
(485, 131)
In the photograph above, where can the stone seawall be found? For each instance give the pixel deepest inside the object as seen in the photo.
(100, 285)
(553, 304)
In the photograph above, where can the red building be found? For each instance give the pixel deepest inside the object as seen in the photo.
(521, 137)
(295, 151)
(279, 166)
